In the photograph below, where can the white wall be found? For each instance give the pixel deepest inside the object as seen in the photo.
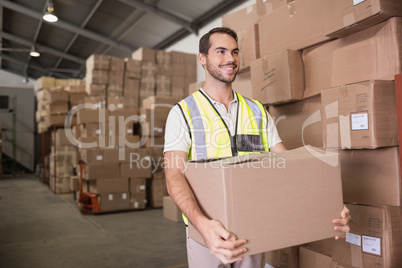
(190, 43)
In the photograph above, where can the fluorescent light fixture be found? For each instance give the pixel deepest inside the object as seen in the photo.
(34, 52)
(49, 16)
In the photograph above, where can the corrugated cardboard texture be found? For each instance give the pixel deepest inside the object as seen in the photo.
(364, 114)
(278, 78)
(299, 123)
(309, 258)
(265, 201)
(378, 230)
(374, 53)
(350, 18)
(371, 176)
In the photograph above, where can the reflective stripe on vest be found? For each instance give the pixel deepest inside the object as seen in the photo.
(210, 136)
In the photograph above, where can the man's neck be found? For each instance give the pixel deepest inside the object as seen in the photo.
(221, 92)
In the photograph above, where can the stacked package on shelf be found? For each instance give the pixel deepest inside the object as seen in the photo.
(42, 85)
(326, 76)
(57, 106)
(60, 162)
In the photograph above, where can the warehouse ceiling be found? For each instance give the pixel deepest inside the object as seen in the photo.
(85, 27)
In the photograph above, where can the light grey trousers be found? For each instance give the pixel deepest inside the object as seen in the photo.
(199, 256)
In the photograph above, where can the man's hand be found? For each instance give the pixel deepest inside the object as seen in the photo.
(222, 244)
(342, 224)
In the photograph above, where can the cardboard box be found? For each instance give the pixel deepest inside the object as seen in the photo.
(55, 120)
(278, 78)
(138, 200)
(249, 45)
(371, 54)
(299, 123)
(361, 115)
(372, 176)
(108, 185)
(57, 107)
(77, 97)
(140, 169)
(96, 171)
(158, 189)
(284, 257)
(74, 183)
(152, 101)
(117, 64)
(374, 238)
(309, 258)
(57, 95)
(170, 210)
(133, 69)
(45, 82)
(114, 201)
(302, 24)
(98, 62)
(92, 155)
(244, 86)
(257, 186)
(248, 16)
(144, 54)
(353, 16)
(138, 185)
(193, 87)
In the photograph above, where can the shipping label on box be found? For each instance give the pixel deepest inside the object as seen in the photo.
(258, 186)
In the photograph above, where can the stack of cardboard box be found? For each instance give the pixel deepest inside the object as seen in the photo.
(55, 97)
(325, 74)
(60, 162)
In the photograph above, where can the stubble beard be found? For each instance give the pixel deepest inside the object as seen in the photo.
(214, 72)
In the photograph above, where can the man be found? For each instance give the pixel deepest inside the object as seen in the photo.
(215, 122)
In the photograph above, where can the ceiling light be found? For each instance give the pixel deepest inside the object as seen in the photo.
(49, 16)
(34, 52)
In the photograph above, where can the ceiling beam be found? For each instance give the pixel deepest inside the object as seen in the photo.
(31, 66)
(148, 8)
(67, 26)
(42, 48)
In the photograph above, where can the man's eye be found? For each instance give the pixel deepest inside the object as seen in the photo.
(235, 52)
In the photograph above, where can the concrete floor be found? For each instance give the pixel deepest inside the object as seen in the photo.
(41, 229)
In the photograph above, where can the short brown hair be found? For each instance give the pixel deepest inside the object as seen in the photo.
(204, 41)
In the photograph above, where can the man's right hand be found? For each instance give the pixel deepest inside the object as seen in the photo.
(222, 244)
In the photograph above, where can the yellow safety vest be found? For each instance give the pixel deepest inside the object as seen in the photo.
(210, 136)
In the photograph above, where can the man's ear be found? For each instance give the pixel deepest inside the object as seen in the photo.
(201, 59)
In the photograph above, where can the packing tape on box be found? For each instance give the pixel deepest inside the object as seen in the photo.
(344, 129)
(292, 9)
(348, 19)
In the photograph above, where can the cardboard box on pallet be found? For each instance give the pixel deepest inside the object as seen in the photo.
(371, 54)
(138, 200)
(114, 201)
(57, 95)
(278, 78)
(57, 107)
(360, 115)
(224, 192)
(77, 97)
(374, 238)
(299, 122)
(372, 176)
(112, 185)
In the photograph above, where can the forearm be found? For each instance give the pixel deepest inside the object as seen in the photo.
(179, 189)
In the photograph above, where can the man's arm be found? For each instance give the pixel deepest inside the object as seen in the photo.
(221, 243)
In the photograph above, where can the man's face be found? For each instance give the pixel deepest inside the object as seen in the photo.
(222, 60)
